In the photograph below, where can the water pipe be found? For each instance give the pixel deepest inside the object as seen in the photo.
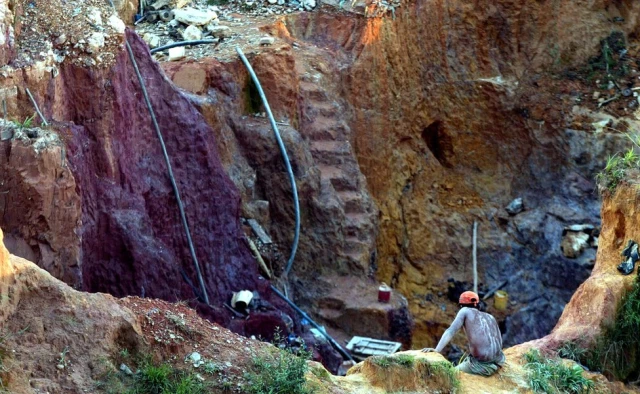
(283, 151)
(182, 44)
(183, 216)
(304, 315)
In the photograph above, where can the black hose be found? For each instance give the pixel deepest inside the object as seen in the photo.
(183, 216)
(302, 313)
(182, 44)
(283, 151)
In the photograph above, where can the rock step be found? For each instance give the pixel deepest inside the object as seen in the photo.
(331, 147)
(324, 128)
(353, 202)
(355, 247)
(312, 91)
(359, 225)
(327, 109)
(340, 180)
(333, 153)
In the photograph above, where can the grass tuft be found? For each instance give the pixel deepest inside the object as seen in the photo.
(617, 167)
(551, 376)
(151, 379)
(616, 352)
(279, 373)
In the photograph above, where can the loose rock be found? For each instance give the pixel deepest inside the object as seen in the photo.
(192, 33)
(574, 243)
(151, 39)
(124, 368)
(515, 207)
(267, 40)
(96, 41)
(219, 31)
(94, 16)
(116, 23)
(191, 16)
(176, 53)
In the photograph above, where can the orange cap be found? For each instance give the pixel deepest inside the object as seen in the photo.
(469, 297)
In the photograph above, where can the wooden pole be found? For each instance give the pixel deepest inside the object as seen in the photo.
(256, 254)
(475, 257)
(35, 105)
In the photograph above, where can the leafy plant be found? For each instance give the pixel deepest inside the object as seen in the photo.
(26, 123)
(552, 376)
(164, 379)
(611, 63)
(573, 351)
(617, 166)
(279, 373)
(617, 352)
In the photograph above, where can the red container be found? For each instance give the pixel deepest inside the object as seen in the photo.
(384, 293)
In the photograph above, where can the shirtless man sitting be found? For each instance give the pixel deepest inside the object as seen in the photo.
(483, 334)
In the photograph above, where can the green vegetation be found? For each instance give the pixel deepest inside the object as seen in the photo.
(27, 123)
(618, 166)
(151, 378)
(382, 361)
(164, 379)
(552, 376)
(211, 368)
(446, 371)
(617, 352)
(610, 64)
(279, 373)
(572, 351)
(403, 360)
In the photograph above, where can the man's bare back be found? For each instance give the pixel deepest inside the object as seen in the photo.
(483, 334)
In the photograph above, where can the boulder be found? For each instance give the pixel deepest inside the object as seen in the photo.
(192, 33)
(351, 306)
(116, 24)
(574, 243)
(219, 31)
(191, 16)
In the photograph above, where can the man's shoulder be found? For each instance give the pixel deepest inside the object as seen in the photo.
(487, 315)
(476, 312)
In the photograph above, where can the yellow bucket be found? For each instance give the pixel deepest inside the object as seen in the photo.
(500, 300)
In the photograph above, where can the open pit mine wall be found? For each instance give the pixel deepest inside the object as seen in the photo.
(445, 126)
(104, 209)
(449, 125)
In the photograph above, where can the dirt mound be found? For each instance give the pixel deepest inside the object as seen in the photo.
(54, 339)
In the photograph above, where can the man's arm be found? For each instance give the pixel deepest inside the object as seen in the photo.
(457, 324)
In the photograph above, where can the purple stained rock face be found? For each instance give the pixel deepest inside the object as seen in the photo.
(133, 242)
